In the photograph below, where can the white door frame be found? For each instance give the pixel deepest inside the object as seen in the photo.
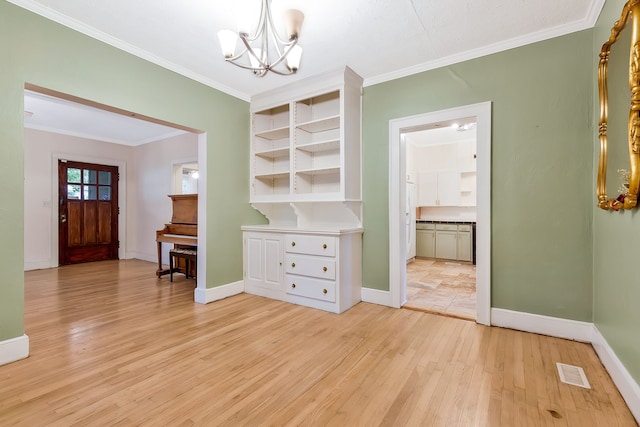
(397, 174)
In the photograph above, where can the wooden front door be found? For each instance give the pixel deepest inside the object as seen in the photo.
(87, 212)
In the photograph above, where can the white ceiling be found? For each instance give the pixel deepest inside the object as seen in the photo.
(47, 113)
(379, 39)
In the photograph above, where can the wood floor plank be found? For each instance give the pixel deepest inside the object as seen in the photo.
(113, 345)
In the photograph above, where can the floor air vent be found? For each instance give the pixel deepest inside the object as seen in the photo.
(573, 375)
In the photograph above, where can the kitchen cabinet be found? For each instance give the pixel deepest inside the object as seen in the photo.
(440, 188)
(444, 241)
(465, 243)
(425, 240)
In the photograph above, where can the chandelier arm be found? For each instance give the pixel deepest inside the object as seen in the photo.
(246, 67)
(274, 30)
(249, 50)
(261, 24)
(283, 55)
(281, 73)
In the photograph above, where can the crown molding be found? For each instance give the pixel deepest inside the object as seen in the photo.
(588, 22)
(87, 30)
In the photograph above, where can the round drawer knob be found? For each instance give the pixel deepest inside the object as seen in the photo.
(324, 269)
(324, 291)
(293, 243)
(293, 265)
(324, 246)
(293, 285)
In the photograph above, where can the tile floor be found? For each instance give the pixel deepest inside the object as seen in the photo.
(442, 287)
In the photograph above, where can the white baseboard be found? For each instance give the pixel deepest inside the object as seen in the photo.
(142, 256)
(14, 349)
(625, 383)
(38, 264)
(375, 296)
(207, 295)
(545, 325)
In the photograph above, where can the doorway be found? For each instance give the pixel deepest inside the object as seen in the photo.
(441, 212)
(481, 113)
(52, 118)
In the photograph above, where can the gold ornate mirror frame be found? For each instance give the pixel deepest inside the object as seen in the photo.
(631, 11)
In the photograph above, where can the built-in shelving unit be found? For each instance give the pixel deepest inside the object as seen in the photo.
(306, 179)
(468, 188)
(271, 152)
(306, 146)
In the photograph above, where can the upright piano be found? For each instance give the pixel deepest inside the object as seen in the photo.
(183, 230)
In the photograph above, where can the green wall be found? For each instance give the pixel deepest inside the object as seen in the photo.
(616, 241)
(542, 137)
(38, 51)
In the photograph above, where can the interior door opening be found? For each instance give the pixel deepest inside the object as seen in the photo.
(441, 218)
(54, 122)
(399, 248)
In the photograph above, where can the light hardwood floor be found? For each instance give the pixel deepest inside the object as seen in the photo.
(113, 345)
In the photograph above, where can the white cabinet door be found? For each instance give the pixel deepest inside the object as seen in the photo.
(263, 255)
(427, 189)
(446, 244)
(439, 188)
(448, 188)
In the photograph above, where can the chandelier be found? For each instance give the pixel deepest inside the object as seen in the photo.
(255, 54)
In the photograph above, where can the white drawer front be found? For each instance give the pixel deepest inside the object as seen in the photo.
(448, 227)
(464, 227)
(324, 268)
(324, 290)
(310, 245)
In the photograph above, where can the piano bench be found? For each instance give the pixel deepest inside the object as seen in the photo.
(187, 254)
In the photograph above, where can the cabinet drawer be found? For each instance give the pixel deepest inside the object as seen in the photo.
(447, 227)
(324, 268)
(310, 245)
(324, 290)
(464, 227)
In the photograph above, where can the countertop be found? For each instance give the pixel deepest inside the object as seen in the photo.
(431, 221)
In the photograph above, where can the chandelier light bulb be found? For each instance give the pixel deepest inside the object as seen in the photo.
(228, 40)
(293, 58)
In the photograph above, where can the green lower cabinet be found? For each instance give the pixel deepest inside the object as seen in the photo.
(444, 241)
(446, 244)
(426, 243)
(465, 250)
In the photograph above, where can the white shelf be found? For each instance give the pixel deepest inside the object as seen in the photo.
(274, 153)
(317, 147)
(274, 134)
(272, 175)
(319, 171)
(320, 125)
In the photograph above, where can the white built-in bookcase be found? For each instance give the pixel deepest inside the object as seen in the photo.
(306, 147)
(305, 178)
